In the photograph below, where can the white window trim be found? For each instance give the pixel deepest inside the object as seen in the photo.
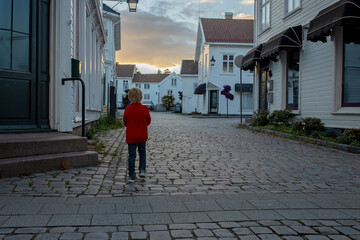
(260, 18)
(227, 65)
(339, 68)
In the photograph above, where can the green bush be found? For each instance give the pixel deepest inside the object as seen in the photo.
(308, 125)
(350, 137)
(260, 118)
(168, 101)
(323, 134)
(281, 117)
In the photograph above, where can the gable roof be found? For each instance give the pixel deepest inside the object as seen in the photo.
(228, 30)
(149, 78)
(189, 67)
(125, 70)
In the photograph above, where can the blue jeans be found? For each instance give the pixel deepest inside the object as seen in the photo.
(132, 156)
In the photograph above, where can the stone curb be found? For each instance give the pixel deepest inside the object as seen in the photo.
(338, 146)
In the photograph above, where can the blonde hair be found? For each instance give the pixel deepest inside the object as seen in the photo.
(135, 95)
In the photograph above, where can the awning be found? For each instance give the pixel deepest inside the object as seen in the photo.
(249, 60)
(342, 13)
(246, 87)
(201, 89)
(288, 40)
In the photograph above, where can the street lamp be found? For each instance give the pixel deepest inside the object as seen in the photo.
(132, 4)
(212, 61)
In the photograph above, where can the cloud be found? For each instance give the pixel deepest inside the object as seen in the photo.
(243, 16)
(202, 2)
(247, 2)
(155, 40)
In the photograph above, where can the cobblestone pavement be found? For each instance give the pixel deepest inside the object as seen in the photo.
(206, 179)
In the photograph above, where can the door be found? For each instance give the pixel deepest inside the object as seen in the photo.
(264, 76)
(213, 106)
(24, 74)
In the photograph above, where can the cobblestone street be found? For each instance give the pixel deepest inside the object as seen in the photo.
(206, 179)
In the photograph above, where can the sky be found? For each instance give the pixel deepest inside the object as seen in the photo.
(163, 32)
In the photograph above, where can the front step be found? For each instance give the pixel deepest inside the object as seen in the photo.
(42, 163)
(30, 144)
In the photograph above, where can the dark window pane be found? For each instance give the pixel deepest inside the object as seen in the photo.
(20, 52)
(225, 57)
(231, 67)
(231, 57)
(224, 66)
(352, 73)
(21, 16)
(5, 49)
(5, 14)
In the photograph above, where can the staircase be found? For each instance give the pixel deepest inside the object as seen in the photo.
(27, 153)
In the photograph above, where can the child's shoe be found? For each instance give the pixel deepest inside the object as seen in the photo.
(131, 179)
(142, 174)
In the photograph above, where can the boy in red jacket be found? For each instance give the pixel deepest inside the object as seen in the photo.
(136, 119)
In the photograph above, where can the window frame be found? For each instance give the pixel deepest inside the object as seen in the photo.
(146, 96)
(286, 5)
(173, 82)
(228, 61)
(146, 85)
(287, 86)
(138, 85)
(261, 6)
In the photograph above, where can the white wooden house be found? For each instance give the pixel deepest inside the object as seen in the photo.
(149, 84)
(32, 95)
(189, 76)
(306, 59)
(113, 44)
(124, 76)
(171, 85)
(223, 40)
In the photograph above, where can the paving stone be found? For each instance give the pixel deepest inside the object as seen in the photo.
(267, 204)
(348, 230)
(203, 233)
(110, 219)
(242, 231)
(71, 236)
(283, 230)
(294, 214)
(138, 235)
(19, 237)
(160, 235)
(70, 220)
(229, 224)
(181, 226)
(270, 223)
(181, 234)
(260, 230)
(47, 236)
(132, 228)
(303, 230)
(27, 221)
(208, 225)
(56, 208)
(262, 214)
(96, 236)
(119, 236)
(198, 206)
(316, 237)
(223, 233)
(6, 230)
(192, 217)
(11, 209)
(96, 229)
(155, 227)
(269, 237)
(217, 216)
(249, 237)
(97, 209)
(338, 237)
(326, 230)
(168, 207)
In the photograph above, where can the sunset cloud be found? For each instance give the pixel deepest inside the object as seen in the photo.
(247, 2)
(244, 16)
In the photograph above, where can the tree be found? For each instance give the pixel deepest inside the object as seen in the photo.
(137, 71)
(159, 71)
(167, 71)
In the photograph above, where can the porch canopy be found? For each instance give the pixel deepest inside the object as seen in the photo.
(249, 60)
(201, 89)
(288, 40)
(246, 87)
(343, 13)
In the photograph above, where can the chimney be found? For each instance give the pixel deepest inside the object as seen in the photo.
(228, 15)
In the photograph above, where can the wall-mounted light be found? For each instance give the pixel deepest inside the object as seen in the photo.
(212, 61)
(132, 5)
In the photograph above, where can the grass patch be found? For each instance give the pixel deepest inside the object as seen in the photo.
(103, 125)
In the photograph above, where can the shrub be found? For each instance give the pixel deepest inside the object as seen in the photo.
(281, 117)
(323, 134)
(350, 137)
(168, 101)
(102, 125)
(260, 118)
(308, 125)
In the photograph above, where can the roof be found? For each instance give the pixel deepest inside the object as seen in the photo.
(124, 70)
(228, 30)
(189, 67)
(107, 9)
(149, 78)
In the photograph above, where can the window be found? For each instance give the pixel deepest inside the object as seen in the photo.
(351, 74)
(146, 86)
(170, 92)
(138, 85)
(228, 63)
(264, 14)
(125, 84)
(173, 82)
(292, 84)
(291, 5)
(146, 96)
(15, 35)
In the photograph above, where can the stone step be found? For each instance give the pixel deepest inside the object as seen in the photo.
(32, 144)
(41, 163)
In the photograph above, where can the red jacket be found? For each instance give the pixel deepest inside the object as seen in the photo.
(136, 119)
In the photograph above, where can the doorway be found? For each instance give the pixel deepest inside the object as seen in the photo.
(264, 76)
(214, 100)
